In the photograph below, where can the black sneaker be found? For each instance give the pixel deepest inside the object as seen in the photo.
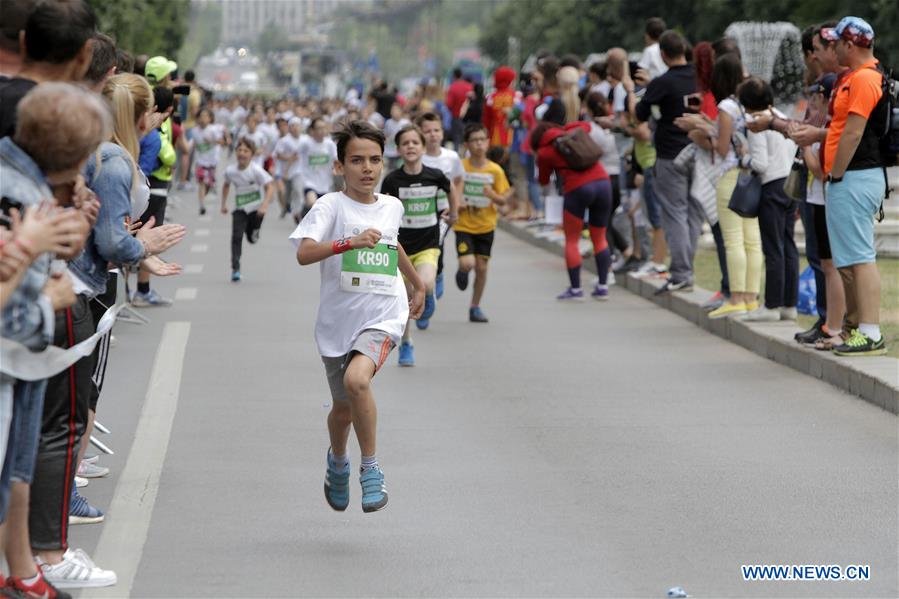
(671, 285)
(202, 211)
(811, 335)
(630, 265)
(461, 280)
(860, 344)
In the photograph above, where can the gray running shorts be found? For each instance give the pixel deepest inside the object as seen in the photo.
(371, 343)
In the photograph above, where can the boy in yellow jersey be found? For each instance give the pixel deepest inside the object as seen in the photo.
(486, 187)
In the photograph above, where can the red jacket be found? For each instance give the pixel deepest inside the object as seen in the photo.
(498, 106)
(549, 159)
(456, 95)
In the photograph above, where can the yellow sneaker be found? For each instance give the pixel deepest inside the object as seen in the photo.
(752, 306)
(728, 309)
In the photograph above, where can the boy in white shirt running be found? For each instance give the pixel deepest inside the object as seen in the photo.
(252, 194)
(363, 305)
(206, 139)
(317, 155)
(448, 161)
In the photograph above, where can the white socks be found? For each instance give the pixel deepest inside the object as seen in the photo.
(871, 331)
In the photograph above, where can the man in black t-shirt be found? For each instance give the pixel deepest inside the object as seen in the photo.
(664, 101)
(416, 186)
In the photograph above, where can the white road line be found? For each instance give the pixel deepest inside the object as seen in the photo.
(199, 248)
(193, 269)
(125, 531)
(202, 232)
(186, 293)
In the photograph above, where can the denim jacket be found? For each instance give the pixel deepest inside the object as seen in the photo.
(28, 315)
(109, 240)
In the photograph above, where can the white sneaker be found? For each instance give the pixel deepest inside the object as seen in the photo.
(762, 314)
(74, 571)
(788, 313)
(80, 482)
(88, 470)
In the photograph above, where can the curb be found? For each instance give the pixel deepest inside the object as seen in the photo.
(875, 379)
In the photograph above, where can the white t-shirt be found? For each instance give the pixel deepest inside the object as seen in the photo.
(619, 98)
(270, 131)
(652, 61)
(732, 108)
(317, 163)
(289, 146)
(605, 139)
(248, 185)
(207, 142)
(360, 289)
(451, 165)
(238, 117)
(223, 116)
(816, 186)
(391, 128)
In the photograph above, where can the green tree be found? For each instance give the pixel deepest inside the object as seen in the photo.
(272, 38)
(144, 26)
(205, 27)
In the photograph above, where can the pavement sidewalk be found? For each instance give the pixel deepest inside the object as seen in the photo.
(876, 379)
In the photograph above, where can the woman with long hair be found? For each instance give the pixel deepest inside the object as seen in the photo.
(568, 79)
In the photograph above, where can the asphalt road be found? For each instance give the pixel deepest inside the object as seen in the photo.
(594, 449)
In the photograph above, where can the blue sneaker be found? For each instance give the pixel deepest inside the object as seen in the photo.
(374, 493)
(407, 354)
(461, 280)
(81, 512)
(149, 299)
(438, 286)
(600, 292)
(235, 276)
(476, 315)
(423, 323)
(430, 307)
(337, 485)
(572, 294)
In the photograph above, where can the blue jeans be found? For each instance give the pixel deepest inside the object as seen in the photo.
(806, 211)
(24, 435)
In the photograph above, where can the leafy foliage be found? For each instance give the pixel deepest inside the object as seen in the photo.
(145, 26)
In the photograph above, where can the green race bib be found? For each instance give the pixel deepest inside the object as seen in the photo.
(204, 147)
(319, 159)
(247, 198)
(420, 204)
(371, 270)
(473, 191)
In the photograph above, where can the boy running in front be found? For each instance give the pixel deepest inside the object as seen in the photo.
(486, 187)
(253, 190)
(416, 186)
(363, 305)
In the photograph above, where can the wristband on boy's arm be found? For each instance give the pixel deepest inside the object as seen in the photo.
(339, 246)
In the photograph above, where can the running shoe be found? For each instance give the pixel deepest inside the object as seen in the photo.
(438, 286)
(76, 572)
(728, 310)
(476, 315)
(407, 354)
(461, 280)
(672, 285)
(80, 482)
(253, 235)
(652, 269)
(430, 306)
(81, 512)
(600, 292)
(632, 264)
(149, 299)
(337, 485)
(202, 211)
(571, 294)
(753, 305)
(789, 313)
(811, 335)
(91, 459)
(714, 302)
(374, 493)
(860, 344)
(88, 470)
(235, 276)
(39, 590)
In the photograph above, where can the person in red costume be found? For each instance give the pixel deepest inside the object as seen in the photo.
(499, 104)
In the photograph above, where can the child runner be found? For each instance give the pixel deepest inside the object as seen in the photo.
(280, 166)
(486, 187)
(392, 126)
(317, 155)
(253, 131)
(207, 139)
(288, 152)
(363, 307)
(253, 190)
(448, 161)
(416, 186)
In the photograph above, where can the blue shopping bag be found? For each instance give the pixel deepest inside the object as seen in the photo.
(808, 301)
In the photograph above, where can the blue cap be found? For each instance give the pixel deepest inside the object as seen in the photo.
(852, 29)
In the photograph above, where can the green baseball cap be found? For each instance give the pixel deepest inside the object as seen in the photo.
(158, 67)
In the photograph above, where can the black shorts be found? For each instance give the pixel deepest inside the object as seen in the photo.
(820, 217)
(155, 208)
(478, 244)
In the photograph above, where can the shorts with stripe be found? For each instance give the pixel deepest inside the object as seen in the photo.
(372, 343)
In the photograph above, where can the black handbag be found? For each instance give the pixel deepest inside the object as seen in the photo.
(796, 185)
(747, 194)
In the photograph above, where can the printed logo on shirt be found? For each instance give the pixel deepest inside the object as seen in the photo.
(319, 159)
